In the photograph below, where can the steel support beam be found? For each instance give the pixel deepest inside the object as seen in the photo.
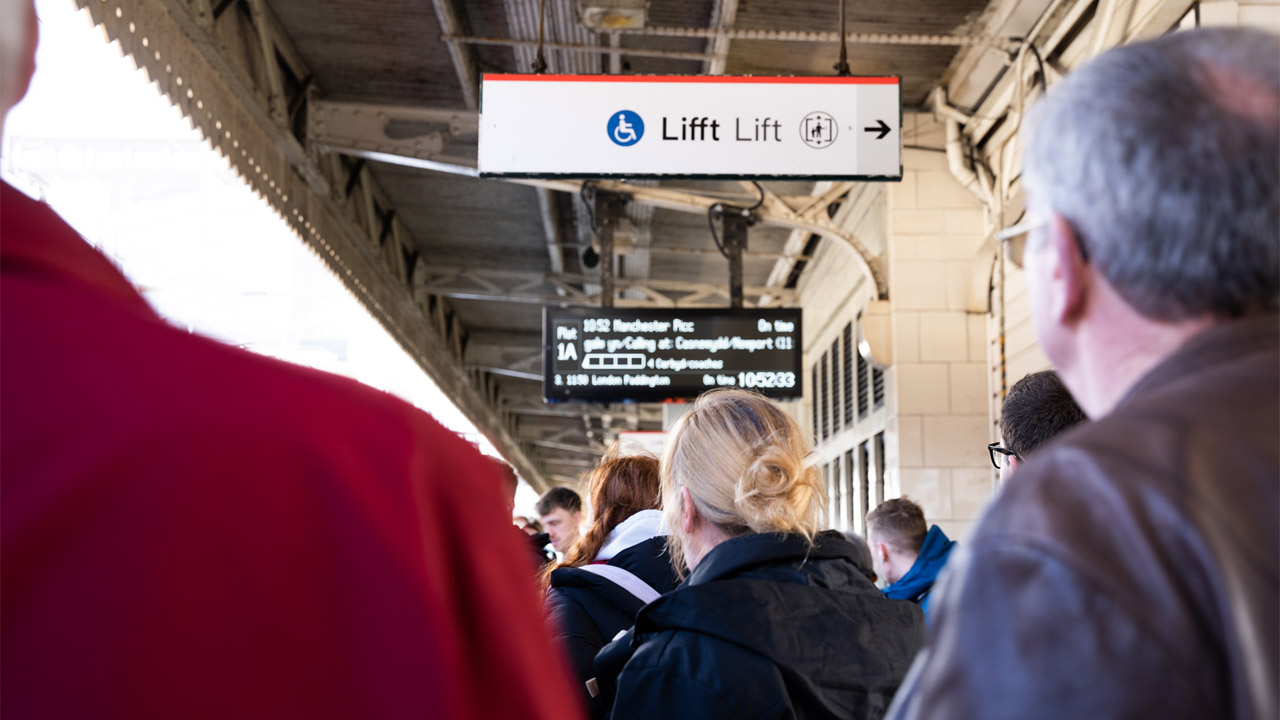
(584, 449)
(463, 61)
(419, 131)
(723, 15)
(774, 211)
(457, 38)
(527, 287)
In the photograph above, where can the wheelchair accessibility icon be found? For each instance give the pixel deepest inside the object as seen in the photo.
(625, 128)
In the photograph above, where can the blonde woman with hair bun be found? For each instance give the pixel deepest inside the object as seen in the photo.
(775, 619)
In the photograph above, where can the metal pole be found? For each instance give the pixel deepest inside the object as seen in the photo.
(733, 224)
(608, 206)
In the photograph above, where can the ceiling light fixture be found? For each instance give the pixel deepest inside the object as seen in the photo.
(611, 15)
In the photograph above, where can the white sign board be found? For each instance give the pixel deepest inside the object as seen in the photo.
(636, 442)
(831, 128)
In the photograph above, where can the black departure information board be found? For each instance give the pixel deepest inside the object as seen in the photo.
(649, 355)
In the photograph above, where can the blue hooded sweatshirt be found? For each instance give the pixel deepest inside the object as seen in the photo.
(918, 582)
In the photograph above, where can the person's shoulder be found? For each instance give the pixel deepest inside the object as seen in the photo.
(566, 606)
(649, 560)
(1084, 465)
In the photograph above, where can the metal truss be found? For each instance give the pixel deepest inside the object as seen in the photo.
(539, 288)
(361, 131)
(993, 130)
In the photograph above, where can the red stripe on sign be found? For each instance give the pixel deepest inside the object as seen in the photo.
(719, 79)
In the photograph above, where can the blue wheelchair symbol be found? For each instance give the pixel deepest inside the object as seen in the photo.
(625, 128)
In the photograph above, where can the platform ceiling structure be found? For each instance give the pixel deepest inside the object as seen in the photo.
(356, 120)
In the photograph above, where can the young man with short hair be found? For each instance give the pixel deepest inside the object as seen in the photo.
(906, 552)
(561, 511)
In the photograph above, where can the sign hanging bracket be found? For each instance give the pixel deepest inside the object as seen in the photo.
(606, 207)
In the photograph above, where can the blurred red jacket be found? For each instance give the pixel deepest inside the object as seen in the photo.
(190, 530)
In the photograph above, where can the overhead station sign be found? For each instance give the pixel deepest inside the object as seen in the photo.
(616, 355)
(634, 126)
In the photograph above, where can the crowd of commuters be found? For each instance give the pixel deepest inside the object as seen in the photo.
(277, 542)
(774, 619)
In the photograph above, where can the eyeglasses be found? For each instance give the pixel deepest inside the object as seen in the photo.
(1015, 239)
(1000, 456)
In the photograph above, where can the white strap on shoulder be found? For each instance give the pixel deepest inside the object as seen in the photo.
(626, 580)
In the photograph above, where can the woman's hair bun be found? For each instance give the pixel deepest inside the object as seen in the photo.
(772, 494)
(742, 459)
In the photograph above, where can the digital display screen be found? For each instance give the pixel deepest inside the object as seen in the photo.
(650, 355)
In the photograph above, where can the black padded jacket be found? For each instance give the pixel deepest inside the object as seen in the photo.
(766, 627)
(587, 610)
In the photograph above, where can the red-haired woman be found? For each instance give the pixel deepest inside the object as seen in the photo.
(618, 565)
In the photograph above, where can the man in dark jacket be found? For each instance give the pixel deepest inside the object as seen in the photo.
(1131, 570)
(905, 554)
(767, 606)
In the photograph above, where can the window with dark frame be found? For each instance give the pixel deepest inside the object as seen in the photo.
(814, 402)
(835, 514)
(835, 387)
(864, 484)
(879, 468)
(826, 480)
(826, 398)
(877, 388)
(864, 385)
(848, 483)
(848, 374)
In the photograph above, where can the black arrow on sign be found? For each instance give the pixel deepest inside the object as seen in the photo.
(883, 129)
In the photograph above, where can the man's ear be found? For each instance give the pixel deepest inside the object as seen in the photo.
(1066, 271)
(1013, 461)
(882, 552)
(688, 512)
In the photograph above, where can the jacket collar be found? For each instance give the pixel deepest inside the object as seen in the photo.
(35, 242)
(635, 529)
(1219, 344)
(735, 555)
(924, 571)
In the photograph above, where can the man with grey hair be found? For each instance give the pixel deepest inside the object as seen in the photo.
(1131, 570)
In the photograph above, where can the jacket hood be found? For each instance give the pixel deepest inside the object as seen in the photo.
(647, 560)
(808, 609)
(635, 529)
(920, 578)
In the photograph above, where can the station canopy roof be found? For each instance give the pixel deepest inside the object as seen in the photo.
(480, 258)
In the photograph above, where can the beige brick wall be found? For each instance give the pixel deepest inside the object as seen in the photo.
(941, 381)
(937, 413)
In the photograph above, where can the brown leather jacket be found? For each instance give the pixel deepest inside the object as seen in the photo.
(1130, 569)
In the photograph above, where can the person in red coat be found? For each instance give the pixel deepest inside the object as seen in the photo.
(190, 530)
